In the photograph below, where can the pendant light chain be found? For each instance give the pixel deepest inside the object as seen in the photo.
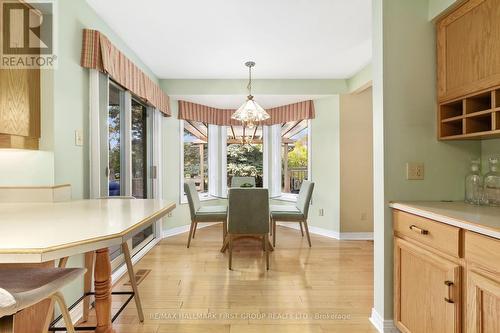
(249, 87)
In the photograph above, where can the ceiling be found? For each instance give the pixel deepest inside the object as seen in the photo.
(288, 39)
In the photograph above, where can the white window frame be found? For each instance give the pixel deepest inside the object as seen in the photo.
(292, 197)
(182, 196)
(98, 101)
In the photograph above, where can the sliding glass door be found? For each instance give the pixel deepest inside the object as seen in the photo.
(127, 152)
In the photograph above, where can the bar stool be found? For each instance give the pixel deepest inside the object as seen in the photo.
(21, 288)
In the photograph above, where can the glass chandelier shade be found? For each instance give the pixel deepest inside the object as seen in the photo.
(250, 113)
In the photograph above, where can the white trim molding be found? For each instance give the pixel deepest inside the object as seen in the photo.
(331, 233)
(382, 325)
(183, 229)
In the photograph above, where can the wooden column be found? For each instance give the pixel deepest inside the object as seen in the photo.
(285, 169)
(102, 286)
(202, 167)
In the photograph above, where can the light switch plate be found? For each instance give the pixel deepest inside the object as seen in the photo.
(414, 171)
(78, 138)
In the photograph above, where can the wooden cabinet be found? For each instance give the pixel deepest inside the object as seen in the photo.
(483, 303)
(427, 291)
(468, 71)
(19, 108)
(446, 279)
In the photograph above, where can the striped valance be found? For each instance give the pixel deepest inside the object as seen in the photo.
(99, 53)
(222, 117)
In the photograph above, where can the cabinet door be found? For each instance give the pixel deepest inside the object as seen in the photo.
(467, 48)
(483, 304)
(426, 291)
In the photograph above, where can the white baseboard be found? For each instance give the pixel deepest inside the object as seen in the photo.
(183, 228)
(331, 233)
(383, 326)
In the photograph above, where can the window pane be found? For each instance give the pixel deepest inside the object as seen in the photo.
(139, 150)
(295, 155)
(195, 145)
(115, 111)
(244, 154)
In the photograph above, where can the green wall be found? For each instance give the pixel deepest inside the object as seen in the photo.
(404, 82)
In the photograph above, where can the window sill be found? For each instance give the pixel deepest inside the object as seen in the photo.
(203, 197)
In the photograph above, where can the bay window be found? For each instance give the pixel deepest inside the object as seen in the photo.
(294, 156)
(195, 154)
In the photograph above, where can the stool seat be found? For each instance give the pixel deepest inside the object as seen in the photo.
(23, 287)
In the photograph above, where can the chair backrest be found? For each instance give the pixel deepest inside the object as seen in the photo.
(304, 198)
(238, 181)
(248, 211)
(192, 196)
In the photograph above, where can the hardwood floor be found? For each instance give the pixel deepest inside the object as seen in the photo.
(326, 288)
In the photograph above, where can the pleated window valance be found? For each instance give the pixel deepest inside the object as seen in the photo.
(222, 117)
(99, 53)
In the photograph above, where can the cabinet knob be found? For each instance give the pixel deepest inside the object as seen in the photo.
(419, 230)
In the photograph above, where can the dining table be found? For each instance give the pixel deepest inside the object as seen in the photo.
(41, 232)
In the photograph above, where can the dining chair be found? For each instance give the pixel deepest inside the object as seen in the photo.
(297, 213)
(202, 214)
(239, 181)
(21, 288)
(248, 215)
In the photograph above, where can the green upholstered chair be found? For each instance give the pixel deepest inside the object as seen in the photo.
(239, 181)
(297, 213)
(248, 215)
(202, 214)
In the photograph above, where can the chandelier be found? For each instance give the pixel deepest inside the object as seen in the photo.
(250, 113)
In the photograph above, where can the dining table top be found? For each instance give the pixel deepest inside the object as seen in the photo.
(38, 232)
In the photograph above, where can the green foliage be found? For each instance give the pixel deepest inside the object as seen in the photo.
(297, 158)
(192, 159)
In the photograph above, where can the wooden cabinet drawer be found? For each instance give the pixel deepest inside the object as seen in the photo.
(438, 235)
(482, 250)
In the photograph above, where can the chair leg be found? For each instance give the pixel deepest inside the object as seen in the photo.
(224, 230)
(230, 252)
(133, 282)
(266, 250)
(307, 233)
(59, 299)
(274, 233)
(190, 234)
(7, 324)
(301, 229)
(194, 229)
(271, 227)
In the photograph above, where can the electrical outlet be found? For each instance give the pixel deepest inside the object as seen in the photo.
(414, 171)
(169, 214)
(78, 138)
(321, 212)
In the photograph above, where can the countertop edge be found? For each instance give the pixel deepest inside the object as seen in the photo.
(446, 219)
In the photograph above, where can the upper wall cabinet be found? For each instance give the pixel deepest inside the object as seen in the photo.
(468, 71)
(19, 108)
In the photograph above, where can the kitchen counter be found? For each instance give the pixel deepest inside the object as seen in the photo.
(480, 219)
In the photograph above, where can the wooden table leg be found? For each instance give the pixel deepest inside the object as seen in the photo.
(87, 284)
(102, 286)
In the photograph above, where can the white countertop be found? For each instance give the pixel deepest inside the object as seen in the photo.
(36, 232)
(480, 219)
